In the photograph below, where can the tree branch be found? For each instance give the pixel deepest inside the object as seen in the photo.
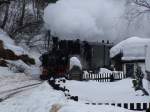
(143, 3)
(4, 2)
(25, 26)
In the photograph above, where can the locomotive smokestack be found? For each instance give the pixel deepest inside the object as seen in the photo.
(103, 41)
(55, 43)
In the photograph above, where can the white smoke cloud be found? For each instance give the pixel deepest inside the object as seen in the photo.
(85, 19)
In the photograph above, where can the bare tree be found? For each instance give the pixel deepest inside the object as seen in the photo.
(4, 2)
(23, 20)
(143, 3)
(5, 17)
(142, 7)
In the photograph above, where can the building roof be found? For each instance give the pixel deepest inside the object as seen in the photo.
(133, 48)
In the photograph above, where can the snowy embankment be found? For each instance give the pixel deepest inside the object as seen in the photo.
(17, 58)
(9, 43)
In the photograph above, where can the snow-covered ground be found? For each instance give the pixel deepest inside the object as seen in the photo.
(10, 81)
(41, 97)
(77, 107)
(106, 92)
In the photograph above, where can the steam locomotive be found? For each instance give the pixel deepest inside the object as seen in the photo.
(55, 63)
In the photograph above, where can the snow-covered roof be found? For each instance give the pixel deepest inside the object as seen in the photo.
(133, 48)
(74, 61)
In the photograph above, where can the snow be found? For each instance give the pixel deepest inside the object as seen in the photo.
(33, 70)
(5, 37)
(85, 108)
(84, 19)
(10, 80)
(5, 71)
(16, 49)
(74, 61)
(42, 97)
(9, 43)
(106, 92)
(105, 70)
(38, 99)
(132, 48)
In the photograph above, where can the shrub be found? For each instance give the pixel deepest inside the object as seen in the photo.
(3, 63)
(10, 55)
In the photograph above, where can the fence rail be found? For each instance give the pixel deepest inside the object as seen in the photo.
(104, 77)
(130, 106)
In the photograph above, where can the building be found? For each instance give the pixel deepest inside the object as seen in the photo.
(128, 54)
(100, 54)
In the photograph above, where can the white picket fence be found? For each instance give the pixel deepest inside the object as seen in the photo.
(104, 77)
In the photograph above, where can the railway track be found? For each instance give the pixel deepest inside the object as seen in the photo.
(4, 95)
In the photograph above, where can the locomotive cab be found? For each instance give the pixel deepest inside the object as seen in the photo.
(54, 64)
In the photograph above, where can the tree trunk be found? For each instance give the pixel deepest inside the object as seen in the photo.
(23, 13)
(5, 17)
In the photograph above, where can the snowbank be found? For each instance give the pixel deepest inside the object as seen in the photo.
(86, 108)
(5, 38)
(104, 70)
(132, 48)
(16, 65)
(19, 67)
(9, 43)
(16, 49)
(5, 71)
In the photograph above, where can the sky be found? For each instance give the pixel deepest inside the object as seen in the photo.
(93, 20)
